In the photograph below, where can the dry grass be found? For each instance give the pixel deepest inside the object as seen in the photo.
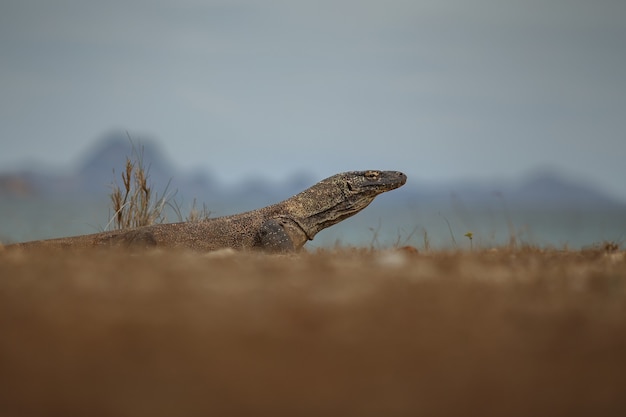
(348, 332)
(134, 204)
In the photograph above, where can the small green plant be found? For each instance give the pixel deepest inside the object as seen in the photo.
(470, 236)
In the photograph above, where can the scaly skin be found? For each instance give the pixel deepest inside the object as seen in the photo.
(281, 227)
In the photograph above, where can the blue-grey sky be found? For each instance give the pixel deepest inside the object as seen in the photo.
(440, 89)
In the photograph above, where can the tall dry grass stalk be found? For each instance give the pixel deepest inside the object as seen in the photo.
(134, 204)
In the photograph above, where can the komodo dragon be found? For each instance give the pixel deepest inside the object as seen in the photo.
(282, 227)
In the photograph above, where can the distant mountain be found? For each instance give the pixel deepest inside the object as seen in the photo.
(107, 161)
(552, 190)
(102, 166)
(104, 163)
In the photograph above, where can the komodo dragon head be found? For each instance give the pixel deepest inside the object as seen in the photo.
(339, 197)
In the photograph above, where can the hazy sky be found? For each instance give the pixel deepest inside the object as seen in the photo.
(438, 89)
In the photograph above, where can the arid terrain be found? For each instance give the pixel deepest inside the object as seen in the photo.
(522, 332)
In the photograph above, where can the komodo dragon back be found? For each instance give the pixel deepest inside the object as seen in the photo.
(281, 227)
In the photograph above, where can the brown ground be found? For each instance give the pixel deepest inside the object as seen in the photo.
(352, 332)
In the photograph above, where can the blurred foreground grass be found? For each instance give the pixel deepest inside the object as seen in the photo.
(344, 332)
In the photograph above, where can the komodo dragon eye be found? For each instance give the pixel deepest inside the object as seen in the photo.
(372, 175)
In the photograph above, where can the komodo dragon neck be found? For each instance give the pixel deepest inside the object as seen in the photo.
(285, 226)
(338, 197)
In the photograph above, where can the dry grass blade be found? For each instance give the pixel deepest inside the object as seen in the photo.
(134, 205)
(196, 214)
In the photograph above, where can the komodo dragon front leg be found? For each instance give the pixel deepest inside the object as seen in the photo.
(274, 237)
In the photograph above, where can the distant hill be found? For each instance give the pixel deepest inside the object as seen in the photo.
(105, 162)
(552, 190)
(108, 159)
(103, 166)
